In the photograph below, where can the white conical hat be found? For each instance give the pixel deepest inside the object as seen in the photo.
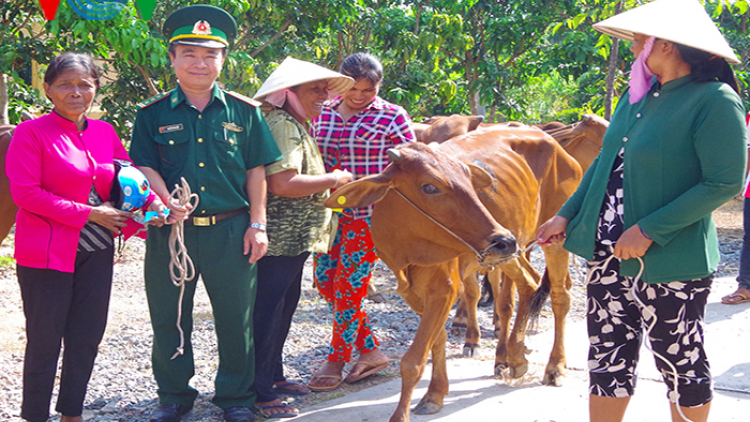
(682, 21)
(292, 72)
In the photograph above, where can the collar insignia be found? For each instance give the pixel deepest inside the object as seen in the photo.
(233, 127)
(202, 28)
(171, 128)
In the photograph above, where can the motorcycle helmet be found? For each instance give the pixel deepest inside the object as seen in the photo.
(130, 188)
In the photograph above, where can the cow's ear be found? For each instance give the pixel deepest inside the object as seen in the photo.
(480, 178)
(362, 193)
(474, 122)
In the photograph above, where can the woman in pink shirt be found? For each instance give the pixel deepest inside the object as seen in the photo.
(61, 171)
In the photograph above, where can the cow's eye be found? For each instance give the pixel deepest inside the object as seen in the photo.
(430, 189)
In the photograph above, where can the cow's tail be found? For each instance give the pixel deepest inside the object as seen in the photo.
(538, 298)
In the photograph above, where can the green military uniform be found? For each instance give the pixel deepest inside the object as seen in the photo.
(212, 149)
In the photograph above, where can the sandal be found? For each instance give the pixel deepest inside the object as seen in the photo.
(283, 405)
(339, 379)
(285, 390)
(741, 295)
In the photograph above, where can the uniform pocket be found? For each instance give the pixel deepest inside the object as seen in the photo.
(172, 147)
(228, 152)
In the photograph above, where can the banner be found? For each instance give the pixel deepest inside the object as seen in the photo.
(96, 9)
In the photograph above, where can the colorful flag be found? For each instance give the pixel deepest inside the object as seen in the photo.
(49, 7)
(146, 7)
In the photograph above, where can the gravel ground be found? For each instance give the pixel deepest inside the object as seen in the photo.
(122, 387)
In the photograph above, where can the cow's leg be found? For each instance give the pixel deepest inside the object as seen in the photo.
(432, 402)
(524, 276)
(461, 317)
(431, 293)
(466, 313)
(504, 294)
(560, 282)
(505, 302)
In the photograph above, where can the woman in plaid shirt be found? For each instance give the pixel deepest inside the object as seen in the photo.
(354, 133)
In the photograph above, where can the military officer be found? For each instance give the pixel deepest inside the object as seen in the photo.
(219, 142)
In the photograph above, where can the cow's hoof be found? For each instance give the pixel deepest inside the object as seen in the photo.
(500, 369)
(470, 349)
(428, 408)
(377, 298)
(554, 379)
(518, 371)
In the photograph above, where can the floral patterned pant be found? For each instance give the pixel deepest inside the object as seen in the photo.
(342, 277)
(616, 323)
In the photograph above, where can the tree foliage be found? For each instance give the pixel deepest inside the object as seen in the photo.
(509, 59)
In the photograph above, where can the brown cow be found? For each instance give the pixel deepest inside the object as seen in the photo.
(441, 128)
(582, 140)
(428, 239)
(8, 208)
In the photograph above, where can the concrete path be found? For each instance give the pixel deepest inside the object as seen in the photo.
(477, 396)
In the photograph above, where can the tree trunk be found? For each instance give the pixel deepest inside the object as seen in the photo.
(612, 68)
(4, 99)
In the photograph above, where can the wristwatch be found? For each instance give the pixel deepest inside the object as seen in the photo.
(259, 226)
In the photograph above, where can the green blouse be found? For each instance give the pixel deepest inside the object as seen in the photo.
(685, 153)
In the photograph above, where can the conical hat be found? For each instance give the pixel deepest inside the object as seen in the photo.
(681, 21)
(292, 72)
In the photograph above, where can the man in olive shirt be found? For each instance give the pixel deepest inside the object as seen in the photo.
(219, 142)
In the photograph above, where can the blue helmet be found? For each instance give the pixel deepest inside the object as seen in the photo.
(130, 188)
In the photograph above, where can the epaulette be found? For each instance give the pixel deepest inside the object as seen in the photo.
(154, 99)
(244, 98)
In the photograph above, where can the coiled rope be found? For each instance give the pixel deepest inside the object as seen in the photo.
(648, 313)
(181, 267)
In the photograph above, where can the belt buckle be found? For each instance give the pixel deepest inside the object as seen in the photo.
(201, 221)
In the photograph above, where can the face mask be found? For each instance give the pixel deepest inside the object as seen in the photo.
(640, 74)
(278, 98)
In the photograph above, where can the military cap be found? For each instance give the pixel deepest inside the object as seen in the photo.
(200, 25)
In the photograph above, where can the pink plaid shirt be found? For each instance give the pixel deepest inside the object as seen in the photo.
(361, 144)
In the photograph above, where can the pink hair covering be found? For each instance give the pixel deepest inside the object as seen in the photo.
(278, 98)
(640, 74)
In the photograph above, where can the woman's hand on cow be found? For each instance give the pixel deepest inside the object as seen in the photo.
(552, 231)
(632, 244)
(342, 177)
(109, 217)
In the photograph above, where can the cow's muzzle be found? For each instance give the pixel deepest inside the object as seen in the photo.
(502, 249)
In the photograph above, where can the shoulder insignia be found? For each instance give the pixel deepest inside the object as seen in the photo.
(154, 99)
(244, 98)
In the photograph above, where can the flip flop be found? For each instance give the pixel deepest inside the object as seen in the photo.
(281, 415)
(735, 298)
(370, 368)
(339, 379)
(282, 389)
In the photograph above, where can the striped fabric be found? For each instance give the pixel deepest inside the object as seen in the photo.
(93, 236)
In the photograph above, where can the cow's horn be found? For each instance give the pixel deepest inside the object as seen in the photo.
(394, 155)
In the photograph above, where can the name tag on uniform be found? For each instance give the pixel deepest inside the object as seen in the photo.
(233, 127)
(171, 128)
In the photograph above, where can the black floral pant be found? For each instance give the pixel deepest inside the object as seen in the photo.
(617, 322)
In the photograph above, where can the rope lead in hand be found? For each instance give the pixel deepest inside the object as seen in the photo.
(181, 267)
